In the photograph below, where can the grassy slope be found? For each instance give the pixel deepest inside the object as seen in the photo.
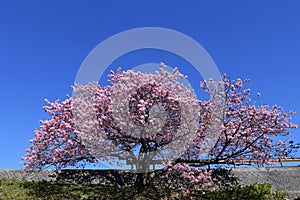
(21, 190)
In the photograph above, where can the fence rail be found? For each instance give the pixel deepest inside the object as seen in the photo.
(195, 163)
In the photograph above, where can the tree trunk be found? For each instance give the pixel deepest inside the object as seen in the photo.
(144, 180)
(141, 181)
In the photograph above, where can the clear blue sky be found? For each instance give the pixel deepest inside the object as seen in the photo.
(42, 44)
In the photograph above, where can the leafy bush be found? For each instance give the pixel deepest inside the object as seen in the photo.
(37, 190)
(251, 192)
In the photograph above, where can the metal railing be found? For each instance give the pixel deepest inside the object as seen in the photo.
(197, 163)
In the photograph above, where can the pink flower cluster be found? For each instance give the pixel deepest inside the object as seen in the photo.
(249, 132)
(56, 141)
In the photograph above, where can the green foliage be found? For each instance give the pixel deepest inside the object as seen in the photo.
(30, 190)
(38, 190)
(250, 192)
(10, 189)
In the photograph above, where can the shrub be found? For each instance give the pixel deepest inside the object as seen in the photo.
(251, 192)
(37, 190)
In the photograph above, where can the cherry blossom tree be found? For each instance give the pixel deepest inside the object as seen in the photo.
(143, 118)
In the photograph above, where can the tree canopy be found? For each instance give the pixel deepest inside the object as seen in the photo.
(145, 117)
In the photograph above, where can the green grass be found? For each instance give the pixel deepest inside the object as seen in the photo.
(19, 190)
(38, 190)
